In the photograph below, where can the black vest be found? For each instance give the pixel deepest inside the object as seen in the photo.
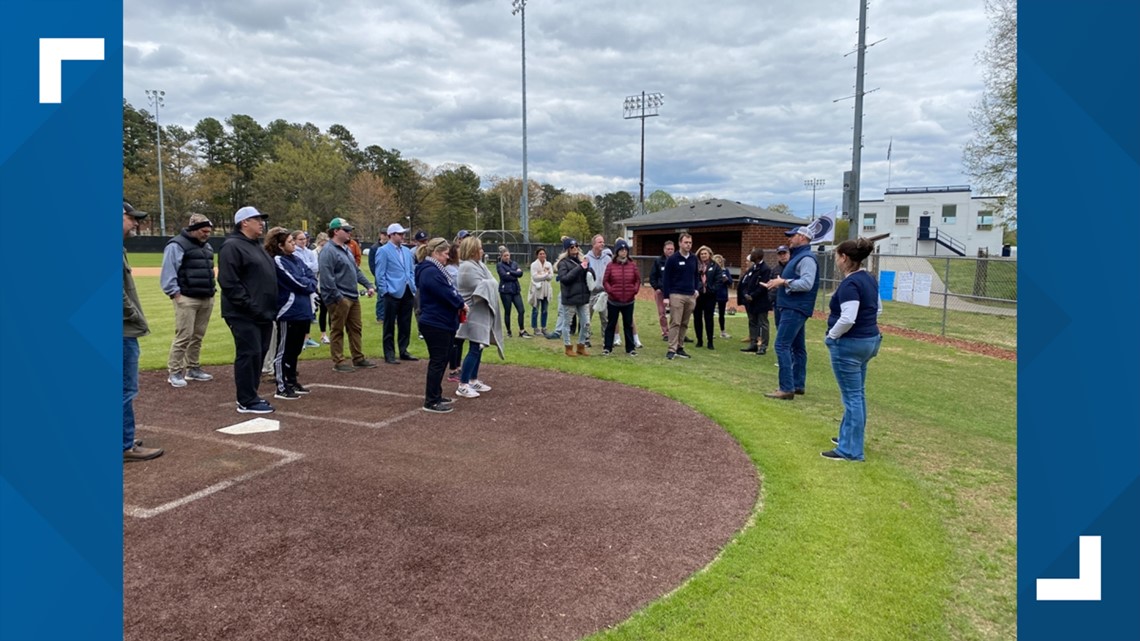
(196, 273)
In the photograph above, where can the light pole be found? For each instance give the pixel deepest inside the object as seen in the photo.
(643, 106)
(524, 222)
(813, 183)
(155, 97)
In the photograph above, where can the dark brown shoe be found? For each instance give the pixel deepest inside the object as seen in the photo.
(800, 391)
(137, 453)
(781, 395)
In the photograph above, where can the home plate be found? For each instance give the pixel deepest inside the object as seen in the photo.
(253, 426)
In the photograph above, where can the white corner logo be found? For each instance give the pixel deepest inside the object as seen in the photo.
(1086, 587)
(53, 51)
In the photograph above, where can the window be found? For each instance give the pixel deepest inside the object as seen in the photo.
(902, 215)
(985, 220)
(949, 214)
(869, 222)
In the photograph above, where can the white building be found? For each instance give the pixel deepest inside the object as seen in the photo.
(933, 221)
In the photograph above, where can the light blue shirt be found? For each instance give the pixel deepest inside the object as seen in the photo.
(394, 270)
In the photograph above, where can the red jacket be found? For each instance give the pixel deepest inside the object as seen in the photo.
(622, 282)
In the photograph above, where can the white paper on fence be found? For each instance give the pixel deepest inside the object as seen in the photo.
(253, 426)
(904, 287)
(922, 283)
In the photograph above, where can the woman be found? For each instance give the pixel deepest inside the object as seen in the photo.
(853, 339)
(621, 281)
(722, 285)
(440, 307)
(541, 273)
(307, 256)
(296, 284)
(510, 293)
(708, 274)
(753, 296)
(322, 311)
(452, 269)
(480, 292)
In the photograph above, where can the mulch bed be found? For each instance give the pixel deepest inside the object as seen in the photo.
(550, 508)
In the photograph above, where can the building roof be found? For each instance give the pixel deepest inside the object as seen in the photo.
(716, 211)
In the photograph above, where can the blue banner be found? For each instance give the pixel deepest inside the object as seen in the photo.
(887, 285)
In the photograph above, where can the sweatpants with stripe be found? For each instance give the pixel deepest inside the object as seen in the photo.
(290, 342)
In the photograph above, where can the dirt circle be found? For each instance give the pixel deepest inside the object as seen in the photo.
(549, 508)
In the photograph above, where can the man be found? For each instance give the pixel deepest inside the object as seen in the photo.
(655, 277)
(679, 284)
(599, 258)
(248, 280)
(752, 294)
(188, 279)
(782, 257)
(134, 326)
(575, 295)
(395, 281)
(420, 238)
(372, 253)
(339, 276)
(795, 302)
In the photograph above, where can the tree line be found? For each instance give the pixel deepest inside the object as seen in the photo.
(296, 173)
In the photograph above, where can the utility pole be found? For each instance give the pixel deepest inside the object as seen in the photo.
(524, 213)
(852, 195)
(637, 107)
(812, 183)
(156, 99)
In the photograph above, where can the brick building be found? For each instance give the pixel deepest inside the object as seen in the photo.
(728, 227)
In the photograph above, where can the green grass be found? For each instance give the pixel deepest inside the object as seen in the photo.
(969, 326)
(997, 280)
(149, 259)
(917, 543)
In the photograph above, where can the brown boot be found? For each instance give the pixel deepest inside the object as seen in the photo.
(582, 350)
(570, 351)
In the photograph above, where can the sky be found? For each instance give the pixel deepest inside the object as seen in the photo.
(756, 94)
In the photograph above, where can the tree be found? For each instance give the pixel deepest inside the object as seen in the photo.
(245, 148)
(342, 136)
(211, 137)
(658, 201)
(781, 208)
(407, 178)
(614, 206)
(575, 226)
(454, 195)
(138, 136)
(308, 181)
(371, 204)
(990, 159)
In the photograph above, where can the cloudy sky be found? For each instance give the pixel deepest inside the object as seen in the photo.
(749, 86)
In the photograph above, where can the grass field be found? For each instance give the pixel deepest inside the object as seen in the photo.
(917, 543)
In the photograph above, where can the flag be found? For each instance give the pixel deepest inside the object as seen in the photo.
(823, 228)
(889, 145)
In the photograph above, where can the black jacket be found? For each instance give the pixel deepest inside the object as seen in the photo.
(657, 271)
(572, 280)
(196, 271)
(775, 290)
(248, 279)
(752, 284)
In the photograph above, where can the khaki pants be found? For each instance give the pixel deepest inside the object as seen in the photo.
(191, 317)
(680, 311)
(345, 318)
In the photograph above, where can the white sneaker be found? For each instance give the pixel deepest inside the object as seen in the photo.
(176, 379)
(324, 339)
(479, 386)
(617, 341)
(466, 392)
(724, 335)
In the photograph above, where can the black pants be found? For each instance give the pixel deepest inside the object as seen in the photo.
(322, 315)
(720, 305)
(251, 344)
(290, 342)
(398, 315)
(516, 301)
(703, 316)
(439, 346)
(456, 356)
(612, 312)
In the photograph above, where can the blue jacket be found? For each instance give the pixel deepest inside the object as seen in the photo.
(802, 302)
(439, 301)
(394, 270)
(723, 282)
(509, 274)
(680, 275)
(296, 285)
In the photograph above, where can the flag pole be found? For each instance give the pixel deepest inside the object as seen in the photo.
(889, 145)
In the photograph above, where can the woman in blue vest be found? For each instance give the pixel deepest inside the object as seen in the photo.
(853, 339)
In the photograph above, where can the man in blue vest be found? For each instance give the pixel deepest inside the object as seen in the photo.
(798, 285)
(395, 282)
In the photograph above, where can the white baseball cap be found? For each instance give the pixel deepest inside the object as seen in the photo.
(396, 228)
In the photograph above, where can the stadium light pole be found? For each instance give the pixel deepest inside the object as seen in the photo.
(524, 214)
(156, 100)
(643, 106)
(813, 183)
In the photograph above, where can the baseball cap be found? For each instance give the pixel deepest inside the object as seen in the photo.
(340, 223)
(781, 249)
(463, 233)
(421, 236)
(245, 213)
(128, 209)
(396, 228)
(803, 231)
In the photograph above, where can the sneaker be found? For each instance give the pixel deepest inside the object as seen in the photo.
(344, 367)
(439, 407)
(310, 343)
(664, 337)
(260, 407)
(324, 339)
(638, 345)
(523, 334)
(363, 363)
(835, 440)
(138, 453)
(176, 380)
(288, 394)
(670, 355)
(466, 392)
(617, 341)
(588, 343)
(479, 386)
(196, 374)
(724, 335)
(453, 377)
(681, 353)
(833, 455)
(509, 335)
(553, 336)
(605, 352)
(300, 389)
(631, 353)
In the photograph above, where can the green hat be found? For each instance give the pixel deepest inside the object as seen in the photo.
(340, 223)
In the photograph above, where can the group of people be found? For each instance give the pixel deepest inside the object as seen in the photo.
(273, 286)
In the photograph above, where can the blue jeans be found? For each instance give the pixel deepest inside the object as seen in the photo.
(791, 352)
(849, 357)
(470, 371)
(130, 389)
(534, 314)
(566, 313)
